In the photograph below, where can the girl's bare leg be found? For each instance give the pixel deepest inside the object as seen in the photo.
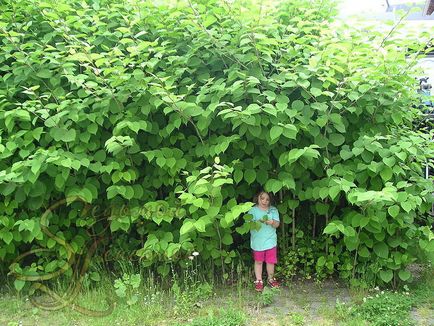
(270, 271)
(258, 270)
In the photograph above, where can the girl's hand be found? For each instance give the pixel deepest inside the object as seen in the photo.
(273, 223)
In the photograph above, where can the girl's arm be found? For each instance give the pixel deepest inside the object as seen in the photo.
(275, 224)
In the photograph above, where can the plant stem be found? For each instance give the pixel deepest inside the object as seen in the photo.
(355, 255)
(327, 222)
(220, 247)
(314, 225)
(293, 229)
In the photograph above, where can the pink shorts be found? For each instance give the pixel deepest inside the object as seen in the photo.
(269, 256)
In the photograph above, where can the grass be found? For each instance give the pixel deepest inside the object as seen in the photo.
(16, 311)
(230, 317)
(409, 306)
(197, 303)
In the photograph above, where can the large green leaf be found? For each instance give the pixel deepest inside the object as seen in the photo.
(381, 249)
(386, 275)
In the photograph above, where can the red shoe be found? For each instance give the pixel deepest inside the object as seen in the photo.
(273, 283)
(259, 285)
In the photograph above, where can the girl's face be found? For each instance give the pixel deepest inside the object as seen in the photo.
(264, 200)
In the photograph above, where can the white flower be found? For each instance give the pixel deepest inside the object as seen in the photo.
(382, 292)
(191, 257)
(364, 299)
(377, 288)
(195, 253)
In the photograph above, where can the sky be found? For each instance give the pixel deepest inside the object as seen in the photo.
(370, 9)
(352, 7)
(361, 12)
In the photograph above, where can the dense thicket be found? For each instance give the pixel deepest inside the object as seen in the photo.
(179, 114)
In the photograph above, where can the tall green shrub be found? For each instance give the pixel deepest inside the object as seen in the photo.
(180, 113)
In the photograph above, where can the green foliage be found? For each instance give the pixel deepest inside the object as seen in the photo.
(390, 307)
(267, 296)
(297, 318)
(178, 113)
(127, 288)
(309, 260)
(386, 308)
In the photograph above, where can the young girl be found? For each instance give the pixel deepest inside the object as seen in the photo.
(264, 241)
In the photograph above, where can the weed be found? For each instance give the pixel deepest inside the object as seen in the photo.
(267, 296)
(126, 288)
(297, 318)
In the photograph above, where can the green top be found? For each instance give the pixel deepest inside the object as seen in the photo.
(266, 237)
